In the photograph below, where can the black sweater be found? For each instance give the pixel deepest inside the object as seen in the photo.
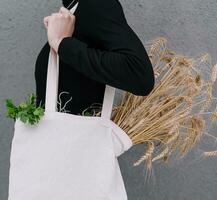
(102, 50)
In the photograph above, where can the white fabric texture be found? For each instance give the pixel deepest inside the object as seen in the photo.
(67, 156)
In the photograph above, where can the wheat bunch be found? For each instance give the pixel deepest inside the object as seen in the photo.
(174, 115)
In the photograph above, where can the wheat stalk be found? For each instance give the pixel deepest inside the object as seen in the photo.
(180, 98)
(210, 153)
(173, 113)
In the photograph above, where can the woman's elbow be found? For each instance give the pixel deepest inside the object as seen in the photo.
(144, 89)
(145, 82)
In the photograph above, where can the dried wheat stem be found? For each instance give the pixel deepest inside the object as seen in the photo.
(147, 154)
(210, 153)
(161, 155)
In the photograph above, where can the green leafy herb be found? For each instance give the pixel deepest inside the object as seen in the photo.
(88, 113)
(27, 111)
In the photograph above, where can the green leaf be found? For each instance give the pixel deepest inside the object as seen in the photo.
(23, 105)
(38, 111)
(26, 111)
(9, 103)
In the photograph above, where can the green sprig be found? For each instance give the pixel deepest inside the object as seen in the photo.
(27, 111)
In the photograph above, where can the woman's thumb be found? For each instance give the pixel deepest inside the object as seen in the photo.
(46, 21)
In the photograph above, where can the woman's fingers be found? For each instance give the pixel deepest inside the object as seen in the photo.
(59, 25)
(64, 10)
(46, 19)
(56, 14)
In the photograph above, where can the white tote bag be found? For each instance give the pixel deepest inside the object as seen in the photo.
(67, 156)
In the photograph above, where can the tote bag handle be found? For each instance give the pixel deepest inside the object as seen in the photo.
(53, 79)
(52, 88)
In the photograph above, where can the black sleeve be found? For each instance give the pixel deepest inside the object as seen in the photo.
(122, 62)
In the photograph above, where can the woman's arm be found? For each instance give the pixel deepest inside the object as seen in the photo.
(120, 70)
(121, 61)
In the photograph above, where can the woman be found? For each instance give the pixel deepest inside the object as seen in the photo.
(96, 46)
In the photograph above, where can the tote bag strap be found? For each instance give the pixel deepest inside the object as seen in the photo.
(53, 79)
(52, 88)
(108, 100)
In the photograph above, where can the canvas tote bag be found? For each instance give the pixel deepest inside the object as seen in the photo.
(67, 156)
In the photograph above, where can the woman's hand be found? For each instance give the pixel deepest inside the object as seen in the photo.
(59, 25)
